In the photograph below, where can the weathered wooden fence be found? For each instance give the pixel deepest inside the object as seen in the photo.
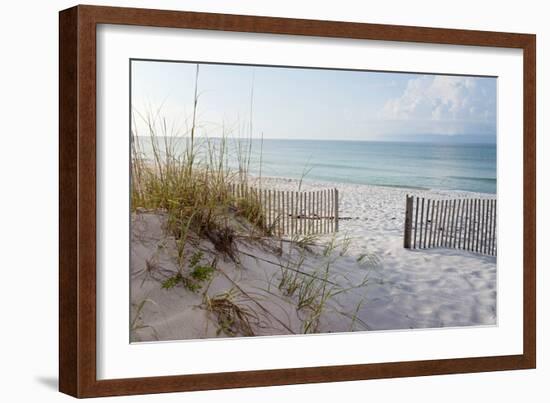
(290, 213)
(468, 224)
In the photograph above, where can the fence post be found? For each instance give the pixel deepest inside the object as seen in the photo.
(408, 222)
(495, 221)
(336, 209)
(427, 221)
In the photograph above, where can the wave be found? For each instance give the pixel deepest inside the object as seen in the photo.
(474, 178)
(413, 187)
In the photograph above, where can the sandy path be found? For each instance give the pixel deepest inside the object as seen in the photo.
(405, 288)
(408, 288)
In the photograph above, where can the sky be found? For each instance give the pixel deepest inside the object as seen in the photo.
(297, 103)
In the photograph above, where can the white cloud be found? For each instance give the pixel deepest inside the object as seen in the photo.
(445, 105)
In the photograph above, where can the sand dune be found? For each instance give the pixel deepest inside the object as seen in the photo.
(404, 289)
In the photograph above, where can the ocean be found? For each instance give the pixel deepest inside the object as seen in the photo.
(460, 167)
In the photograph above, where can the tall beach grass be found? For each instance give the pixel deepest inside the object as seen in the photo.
(188, 176)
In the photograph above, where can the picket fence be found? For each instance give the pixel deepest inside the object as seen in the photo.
(291, 213)
(468, 224)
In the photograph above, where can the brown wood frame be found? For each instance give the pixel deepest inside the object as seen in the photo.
(77, 195)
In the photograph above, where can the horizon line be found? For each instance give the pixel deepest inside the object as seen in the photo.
(377, 140)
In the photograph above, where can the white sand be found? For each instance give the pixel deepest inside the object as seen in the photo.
(405, 288)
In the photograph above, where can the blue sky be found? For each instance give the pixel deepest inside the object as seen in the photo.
(313, 103)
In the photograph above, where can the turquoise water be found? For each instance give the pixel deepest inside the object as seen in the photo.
(470, 167)
(463, 167)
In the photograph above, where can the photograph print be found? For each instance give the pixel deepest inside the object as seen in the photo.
(271, 201)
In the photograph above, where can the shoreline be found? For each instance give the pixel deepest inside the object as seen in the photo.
(456, 182)
(310, 183)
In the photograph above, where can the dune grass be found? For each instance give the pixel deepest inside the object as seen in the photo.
(136, 322)
(189, 179)
(194, 190)
(186, 176)
(312, 288)
(233, 316)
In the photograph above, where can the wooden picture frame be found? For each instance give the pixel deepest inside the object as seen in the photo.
(77, 208)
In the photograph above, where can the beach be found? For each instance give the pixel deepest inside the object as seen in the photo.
(376, 284)
(418, 165)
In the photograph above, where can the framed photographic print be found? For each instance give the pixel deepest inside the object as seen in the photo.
(254, 201)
